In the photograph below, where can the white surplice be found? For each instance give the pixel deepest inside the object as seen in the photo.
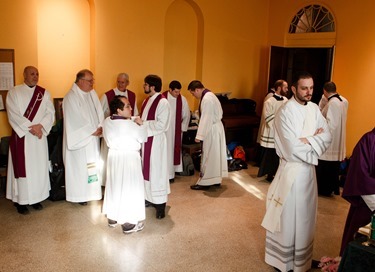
(172, 131)
(35, 186)
(214, 164)
(292, 197)
(157, 188)
(107, 112)
(270, 107)
(335, 112)
(83, 114)
(262, 118)
(124, 199)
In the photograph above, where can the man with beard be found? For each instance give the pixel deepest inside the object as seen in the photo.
(301, 136)
(155, 114)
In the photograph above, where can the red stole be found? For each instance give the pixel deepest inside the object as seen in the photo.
(17, 144)
(131, 96)
(148, 144)
(177, 134)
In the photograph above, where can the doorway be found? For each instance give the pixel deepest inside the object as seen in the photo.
(286, 61)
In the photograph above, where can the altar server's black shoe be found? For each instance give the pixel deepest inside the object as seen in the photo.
(148, 204)
(37, 206)
(160, 210)
(199, 187)
(21, 209)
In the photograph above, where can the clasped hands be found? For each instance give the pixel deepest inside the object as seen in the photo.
(36, 130)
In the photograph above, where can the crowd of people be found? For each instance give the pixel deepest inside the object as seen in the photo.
(141, 151)
(302, 145)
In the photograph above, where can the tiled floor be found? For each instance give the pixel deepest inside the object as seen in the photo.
(215, 230)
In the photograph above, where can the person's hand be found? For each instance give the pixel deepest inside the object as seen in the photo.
(304, 140)
(36, 130)
(197, 141)
(318, 131)
(98, 132)
(138, 120)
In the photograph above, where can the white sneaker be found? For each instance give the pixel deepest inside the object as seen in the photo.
(129, 228)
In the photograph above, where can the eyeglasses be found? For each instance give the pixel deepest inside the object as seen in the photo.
(88, 80)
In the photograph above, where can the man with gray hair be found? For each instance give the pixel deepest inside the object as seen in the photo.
(122, 83)
(121, 89)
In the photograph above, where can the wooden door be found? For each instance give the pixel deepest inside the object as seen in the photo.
(286, 61)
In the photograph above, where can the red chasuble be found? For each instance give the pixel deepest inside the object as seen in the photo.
(177, 133)
(17, 144)
(131, 96)
(148, 144)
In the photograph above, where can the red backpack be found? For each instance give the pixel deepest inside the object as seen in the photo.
(239, 153)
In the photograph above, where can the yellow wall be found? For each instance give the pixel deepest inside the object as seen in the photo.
(63, 28)
(17, 32)
(354, 57)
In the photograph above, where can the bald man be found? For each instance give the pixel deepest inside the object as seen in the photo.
(31, 115)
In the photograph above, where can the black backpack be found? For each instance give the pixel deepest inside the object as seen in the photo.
(187, 165)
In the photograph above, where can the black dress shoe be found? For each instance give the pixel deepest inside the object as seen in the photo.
(82, 203)
(199, 187)
(37, 206)
(21, 209)
(171, 180)
(160, 210)
(217, 185)
(160, 214)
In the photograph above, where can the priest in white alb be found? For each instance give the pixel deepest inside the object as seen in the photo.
(83, 116)
(179, 122)
(31, 115)
(155, 114)
(214, 166)
(301, 136)
(335, 111)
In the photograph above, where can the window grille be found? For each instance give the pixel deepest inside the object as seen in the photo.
(313, 18)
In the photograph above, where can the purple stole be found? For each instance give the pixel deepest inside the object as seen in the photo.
(17, 144)
(118, 117)
(148, 144)
(200, 102)
(177, 134)
(131, 96)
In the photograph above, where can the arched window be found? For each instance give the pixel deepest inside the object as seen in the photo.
(313, 18)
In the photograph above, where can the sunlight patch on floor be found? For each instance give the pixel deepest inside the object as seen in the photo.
(236, 177)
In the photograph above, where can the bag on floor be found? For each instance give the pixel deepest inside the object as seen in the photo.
(187, 165)
(239, 153)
